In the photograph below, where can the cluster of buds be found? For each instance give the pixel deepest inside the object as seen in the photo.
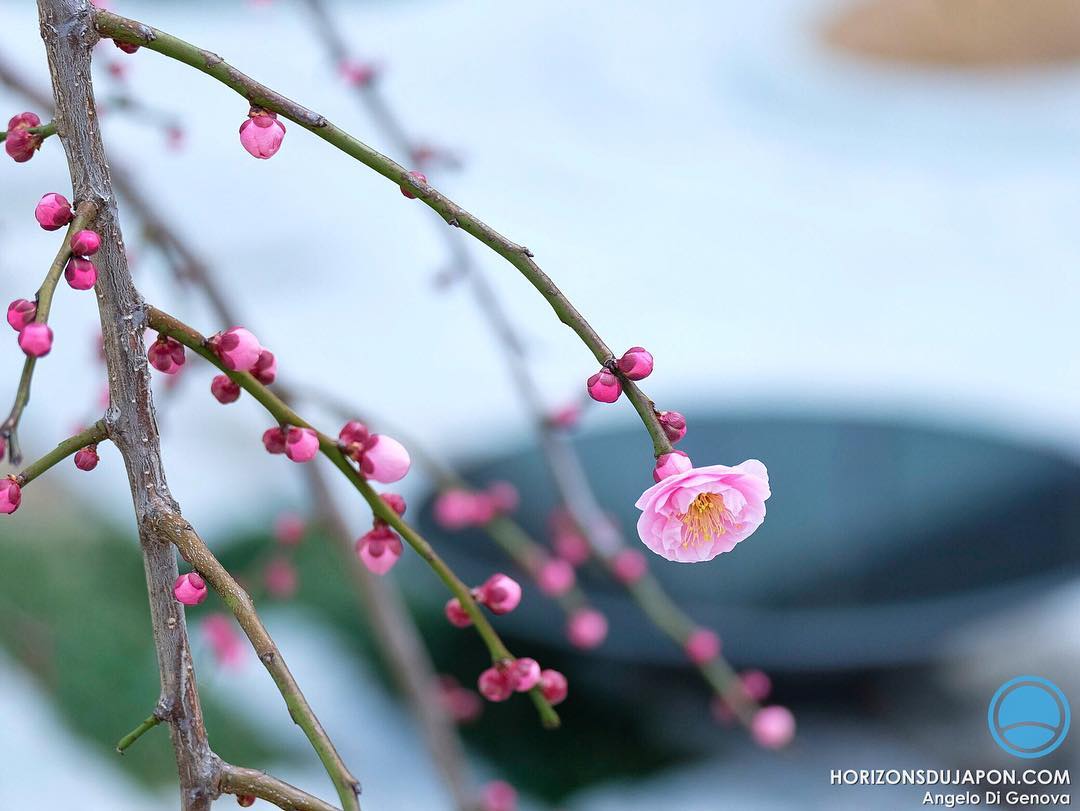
(240, 351)
(298, 444)
(21, 144)
(378, 456)
(458, 508)
(380, 548)
(35, 339)
(500, 593)
(503, 679)
(81, 273)
(261, 133)
(635, 364)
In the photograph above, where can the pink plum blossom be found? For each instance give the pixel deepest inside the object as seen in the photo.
(456, 614)
(166, 354)
(20, 313)
(273, 440)
(386, 460)
(265, 369)
(36, 340)
(87, 458)
(756, 684)
(555, 577)
(460, 703)
(85, 243)
(21, 144)
(301, 444)
(669, 464)
(500, 593)
(694, 515)
(225, 391)
(674, 425)
(702, 645)
(629, 566)
(495, 684)
(636, 363)
(604, 386)
(10, 495)
(524, 674)
(379, 549)
(224, 641)
(53, 211)
(553, 685)
(81, 274)
(261, 134)
(773, 727)
(587, 628)
(498, 795)
(190, 589)
(238, 349)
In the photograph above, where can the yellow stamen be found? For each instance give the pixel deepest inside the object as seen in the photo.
(703, 522)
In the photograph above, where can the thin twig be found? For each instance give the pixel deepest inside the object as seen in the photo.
(173, 528)
(89, 436)
(148, 724)
(130, 31)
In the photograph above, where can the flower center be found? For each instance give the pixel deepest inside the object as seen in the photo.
(703, 521)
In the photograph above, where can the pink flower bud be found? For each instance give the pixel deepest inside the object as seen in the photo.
(360, 74)
(500, 593)
(353, 436)
(756, 684)
(274, 440)
(20, 313)
(419, 177)
(280, 578)
(36, 340)
(80, 273)
(565, 417)
(671, 463)
(245, 800)
(604, 387)
(379, 549)
(587, 628)
(265, 369)
(87, 458)
(498, 795)
(85, 243)
(301, 444)
(126, 47)
(553, 686)
(224, 641)
(555, 577)
(629, 566)
(225, 391)
(394, 502)
(504, 497)
(190, 589)
(702, 646)
(166, 354)
(636, 363)
(495, 684)
(457, 615)
(53, 211)
(238, 349)
(773, 727)
(10, 495)
(289, 529)
(461, 704)
(385, 460)
(261, 134)
(455, 509)
(524, 674)
(674, 425)
(21, 144)
(572, 546)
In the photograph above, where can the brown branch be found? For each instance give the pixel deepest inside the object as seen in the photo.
(69, 36)
(238, 780)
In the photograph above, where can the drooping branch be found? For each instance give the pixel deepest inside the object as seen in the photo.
(189, 337)
(130, 31)
(173, 528)
(90, 436)
(240, 781)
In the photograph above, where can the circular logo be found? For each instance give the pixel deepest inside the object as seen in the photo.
(1029, 717)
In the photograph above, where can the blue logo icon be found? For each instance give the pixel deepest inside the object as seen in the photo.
(1029, 717)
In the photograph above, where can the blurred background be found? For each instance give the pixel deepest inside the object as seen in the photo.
(846, 232)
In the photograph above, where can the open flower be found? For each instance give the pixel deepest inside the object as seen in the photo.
(695, 515)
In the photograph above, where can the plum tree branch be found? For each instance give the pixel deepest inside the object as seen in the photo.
(285, 415)
(90, 436)
(132, 32)
(238, 780)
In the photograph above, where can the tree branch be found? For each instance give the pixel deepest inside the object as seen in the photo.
(130, 31)
(168, 325)
(173, 528)
(238, 780)
(90, 436)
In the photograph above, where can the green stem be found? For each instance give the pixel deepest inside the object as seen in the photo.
(91, 436)
(44, 130)
(130, 31)
(167, 325)
(137, 733)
